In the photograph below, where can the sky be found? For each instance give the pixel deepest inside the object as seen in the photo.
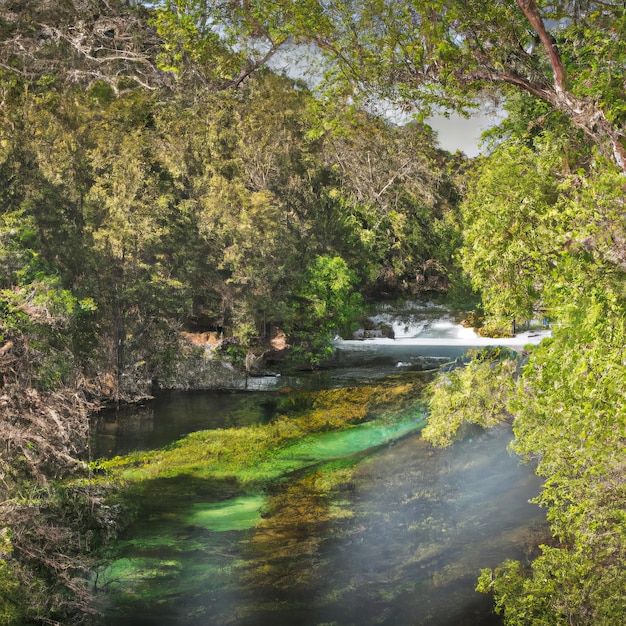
(458, 133)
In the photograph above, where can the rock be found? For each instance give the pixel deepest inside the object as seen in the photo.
(373, 330)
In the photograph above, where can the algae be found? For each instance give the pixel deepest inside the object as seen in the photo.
(253, 455)
(235, 514)
(224, 481)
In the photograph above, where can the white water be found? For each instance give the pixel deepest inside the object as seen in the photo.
(418, 337)
(425, 337)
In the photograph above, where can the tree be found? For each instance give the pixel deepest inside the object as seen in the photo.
(474, 393)
(445, 54)
(393, 181)
(325, 302)
(81, 42)
(542, 226)
(514, 228)
(571, 421)
(567, 412)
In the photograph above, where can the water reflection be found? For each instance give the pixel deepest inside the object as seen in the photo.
(176, 414)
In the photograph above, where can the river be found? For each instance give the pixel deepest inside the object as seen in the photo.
(366, 526)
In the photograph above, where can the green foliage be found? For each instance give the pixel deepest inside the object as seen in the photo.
(427, 56)
(187, 37)
(329, 288)
(166, 210)
(129, 214)
(570, 421)
(513, 228)
(12, 611)
(542, 230)
(54, 318)
(475, 393)
(327, 301)
(568, 414)
(565, 586)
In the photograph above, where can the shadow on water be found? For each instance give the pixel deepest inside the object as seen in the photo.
(175, 414)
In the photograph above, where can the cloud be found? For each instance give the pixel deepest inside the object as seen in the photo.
(457, 133)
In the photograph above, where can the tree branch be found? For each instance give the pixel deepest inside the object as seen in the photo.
(530, 9)
(255, 65)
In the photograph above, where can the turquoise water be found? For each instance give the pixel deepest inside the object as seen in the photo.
(365, 526)
(244, 512)
(337, 444)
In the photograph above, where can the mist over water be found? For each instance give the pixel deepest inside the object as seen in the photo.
(422, 524)
(398, 538)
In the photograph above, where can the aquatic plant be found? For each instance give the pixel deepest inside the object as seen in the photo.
(254, 454)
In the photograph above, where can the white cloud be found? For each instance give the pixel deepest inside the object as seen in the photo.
(458, 133)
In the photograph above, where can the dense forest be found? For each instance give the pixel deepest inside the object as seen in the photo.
(161, 178)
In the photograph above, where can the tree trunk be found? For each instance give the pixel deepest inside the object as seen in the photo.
(587, 115)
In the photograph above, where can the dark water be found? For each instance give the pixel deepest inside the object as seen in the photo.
(160, 422)
(400, 540)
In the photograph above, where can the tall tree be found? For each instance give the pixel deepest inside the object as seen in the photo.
(543, 223)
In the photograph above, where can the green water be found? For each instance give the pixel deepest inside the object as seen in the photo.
(318, 448)
(361, 526)
(238, 513)
(235, 514)
(337, 444)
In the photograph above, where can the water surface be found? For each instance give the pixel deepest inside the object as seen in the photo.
(398, 540)
(357, 528)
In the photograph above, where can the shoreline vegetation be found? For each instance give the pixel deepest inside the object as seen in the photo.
(160, 175)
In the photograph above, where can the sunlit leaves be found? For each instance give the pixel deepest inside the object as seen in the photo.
(513, 229)
(571, 420)
(446, 54)
(537, 234)
(477, 393)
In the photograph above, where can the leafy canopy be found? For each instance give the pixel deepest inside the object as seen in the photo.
(445, 54)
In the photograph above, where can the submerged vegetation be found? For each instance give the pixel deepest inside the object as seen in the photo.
(251, 456)
(235, 479)
(354, 530)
